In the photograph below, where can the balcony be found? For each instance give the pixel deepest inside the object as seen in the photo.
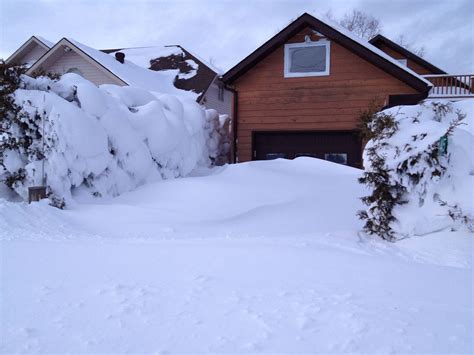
(447, 86)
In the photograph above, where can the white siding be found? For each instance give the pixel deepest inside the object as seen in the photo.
(71, 60)
(33, 55)
(211, 100)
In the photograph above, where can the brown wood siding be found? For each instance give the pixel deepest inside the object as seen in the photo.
(417, 68)
(267, 101)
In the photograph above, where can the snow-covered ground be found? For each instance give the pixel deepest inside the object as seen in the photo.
(254, 257)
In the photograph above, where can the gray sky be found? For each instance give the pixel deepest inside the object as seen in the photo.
(227, 31)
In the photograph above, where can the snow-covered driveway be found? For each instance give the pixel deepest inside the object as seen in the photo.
(259, 257)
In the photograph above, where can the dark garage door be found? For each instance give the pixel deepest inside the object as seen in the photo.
(341, 147)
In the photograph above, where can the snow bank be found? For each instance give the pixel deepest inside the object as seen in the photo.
(431, 199)
(109, 139)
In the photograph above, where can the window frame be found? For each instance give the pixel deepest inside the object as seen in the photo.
(287, 64)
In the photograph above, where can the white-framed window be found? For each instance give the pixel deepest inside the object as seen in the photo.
(307, 59)
(402, 61)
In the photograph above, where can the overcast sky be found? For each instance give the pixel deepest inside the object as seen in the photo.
(227, 31)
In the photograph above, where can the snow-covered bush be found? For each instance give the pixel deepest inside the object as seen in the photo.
(15, 133)
(101, 140)
(416, 185)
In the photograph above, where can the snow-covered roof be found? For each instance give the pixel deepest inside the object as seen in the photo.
(131, 73)
(194, 75)
(209, 64)
(142, 56)
(128, 72)
(47, 43)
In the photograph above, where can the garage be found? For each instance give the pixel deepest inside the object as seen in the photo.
(343, 147)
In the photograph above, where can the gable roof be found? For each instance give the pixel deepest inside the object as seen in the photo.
(43, 40)
(27, 46)
(127, 73)
(339, 34)
(194, 73)
(379, 39)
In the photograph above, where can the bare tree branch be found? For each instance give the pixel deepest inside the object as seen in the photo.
(367, 26)
(361, 23)
(405, 43)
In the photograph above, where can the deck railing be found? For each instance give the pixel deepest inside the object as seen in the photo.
(451, 86)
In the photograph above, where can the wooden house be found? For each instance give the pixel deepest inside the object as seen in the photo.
(302, 92)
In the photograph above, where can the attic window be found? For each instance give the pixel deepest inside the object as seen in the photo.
(307, 59)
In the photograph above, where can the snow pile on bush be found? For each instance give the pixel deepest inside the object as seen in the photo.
(101, 140)
(417, 186)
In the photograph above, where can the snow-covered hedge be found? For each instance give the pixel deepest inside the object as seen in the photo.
(101, 140)
(417, 186)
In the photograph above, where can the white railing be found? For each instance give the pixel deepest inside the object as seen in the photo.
(451, 86)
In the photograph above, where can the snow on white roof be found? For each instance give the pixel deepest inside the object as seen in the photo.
(43, 40)
(142, 56)
(208, 64)
(370, 47)
(192, 72)
(135, 75)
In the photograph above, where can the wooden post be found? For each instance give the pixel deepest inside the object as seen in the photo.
(36, 193)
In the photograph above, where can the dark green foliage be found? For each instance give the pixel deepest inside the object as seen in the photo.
(10, 113)
(366, 119)
(385, 193)
(42, 72)
(56, 201)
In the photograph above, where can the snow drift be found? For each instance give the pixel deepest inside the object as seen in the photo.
(258, 257)
(106, 140)
(434, 185)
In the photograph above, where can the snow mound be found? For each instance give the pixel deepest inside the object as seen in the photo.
(135, 273)
(105, 140)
